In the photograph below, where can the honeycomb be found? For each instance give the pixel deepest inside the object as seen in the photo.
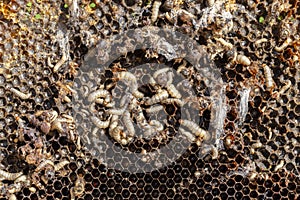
(47, 130)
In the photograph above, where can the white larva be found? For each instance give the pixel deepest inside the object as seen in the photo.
(57, 125)
(127, 76)
(116, 133)
(170, 78)
(162, 95)
(140, 118)
(78, 143)
(125, 100)
(12, 197)
(286, 43)
(92, 108)
(253, 175)
(160, 71)
(284, 88)
(171, 16)
(210, 3)
(188, 135)
(49, 62)
(157, 125)
(224, 43)
(152, 81)
(136, 93)
(268, 76)
(154, 109)
(109, 105)
(22, 178)
(214, 152)
(194, 128)
(279, 166)
(186, 15)
(99, 123)
(128, 123)
(197, 174)
(173, 101)
(132, 79)
(205, 149)
(53, 115)
(256, 145)
(124, 141)
(44, 164)
(244, 60)
(114, 121)
(32, 189)
(60, 165)
(9, 176)
(116, 111)
(60, 62)
(173, 91)
(162, 81)
(155, 10)
(99, 101)
(262, 40)
(148, 131)
(13, 188)
(99, 94)
(20, 94)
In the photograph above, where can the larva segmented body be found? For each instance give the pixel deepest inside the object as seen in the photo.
(188, 135)
(22, 178)
(119, 111)
(99, 94)
(132, 79)
(257, 145)
(160, 71)
(154, 109)
(155, 10)
(60, 165)
(214, 153)
(125, 100)
(32, 189)
(141, 120)
(9, 176)
(116, 133)
(12, 197)
(210, 2)
(244, 60)
(157, 125)
(284, 45)
(268, 76)
(43, 164)
(173, 91)
(114, 121)
(162, 95)
(172, 101)
(128, 123)
(194, 128)
(284, 88)
(262, 40)
(224, 43)
(127, 76)
(20, 94)
(99, 123)
(137, 94)
(57, 125)
(60, 62)
(279, 166)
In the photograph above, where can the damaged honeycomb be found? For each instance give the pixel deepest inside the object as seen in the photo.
(44, 149)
